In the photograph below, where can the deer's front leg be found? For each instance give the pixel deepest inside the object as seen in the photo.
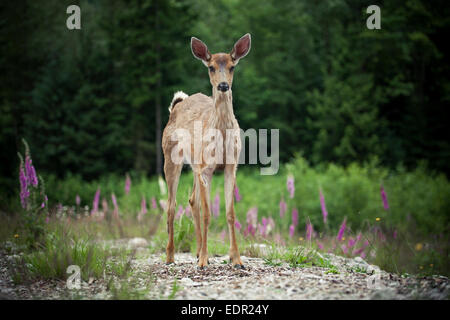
(205, 185)
(230, 182)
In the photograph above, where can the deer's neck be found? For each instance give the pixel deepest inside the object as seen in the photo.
(223, 115)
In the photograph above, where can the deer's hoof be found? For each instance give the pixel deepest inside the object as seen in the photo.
(169, 263)
(239, 266)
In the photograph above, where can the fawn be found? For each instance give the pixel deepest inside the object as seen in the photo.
(190, 115)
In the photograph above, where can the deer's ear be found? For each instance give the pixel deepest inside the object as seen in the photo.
(241, 47)
(200, 50)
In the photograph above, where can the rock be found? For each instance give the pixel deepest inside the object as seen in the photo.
(137, 243)
(360, 260)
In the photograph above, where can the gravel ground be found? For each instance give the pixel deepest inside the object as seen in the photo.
(151, 278)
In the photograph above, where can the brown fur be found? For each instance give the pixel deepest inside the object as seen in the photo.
(213, 112)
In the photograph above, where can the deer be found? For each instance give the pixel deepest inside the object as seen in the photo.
(201, 112)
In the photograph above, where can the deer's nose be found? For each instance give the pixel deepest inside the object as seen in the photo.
(223, 86)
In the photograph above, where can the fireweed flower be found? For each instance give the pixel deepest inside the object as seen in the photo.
(127, 184)
(309, 230)
(324, 208)
(291, 230)
(238, 225)
(252, 216)
(351, 242)
(77, 200)
(319, 245)
(116, 207)
(290, 186)
(270, 225)
(24, 193)
(344, 249)
(179, 212)
(215, 208)
(237, 196)
(104, 206)
(394, 235)
(384, 198)
(295, 217)
(143, 208)
(341, 230)
(95, 201)
(283, 208)
(30, 172)
(187, 211)
(360, 250)
(154, 204)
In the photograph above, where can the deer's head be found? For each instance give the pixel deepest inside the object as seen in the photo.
(221, 65)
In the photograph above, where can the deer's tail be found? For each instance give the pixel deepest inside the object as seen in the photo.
(177, 97)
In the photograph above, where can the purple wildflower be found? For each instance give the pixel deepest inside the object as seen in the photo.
(104, 206)
(290, 186)
(238, 225)
(262, 228)
(127, 184)
(154, 204)
(237, 196)
(47, 219)
(394, 234)
(252, 216)
(30, 172)
(324, 208)
(43, 205)
(341, 230)
(143, 206)
(24, 193)
(215, 208)
(384, 198)
(116, 207)
(77, 200)
(309, 230)
(283, 208)
(360, 250)
(295, 217)
(320, 245)
(344, 249)
(187, 211)
(291, 230)
(95, 201)
(179, 212)
(351, 242)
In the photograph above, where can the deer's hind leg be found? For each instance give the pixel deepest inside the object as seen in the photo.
(195, 203)
(172, 172)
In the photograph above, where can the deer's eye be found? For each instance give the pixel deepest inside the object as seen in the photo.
(232, 69)
(212, 69)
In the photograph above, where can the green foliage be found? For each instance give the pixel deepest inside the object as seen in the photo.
(415, 197)
(95, 101)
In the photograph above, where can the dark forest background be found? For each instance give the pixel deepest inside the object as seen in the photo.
(93, 101)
